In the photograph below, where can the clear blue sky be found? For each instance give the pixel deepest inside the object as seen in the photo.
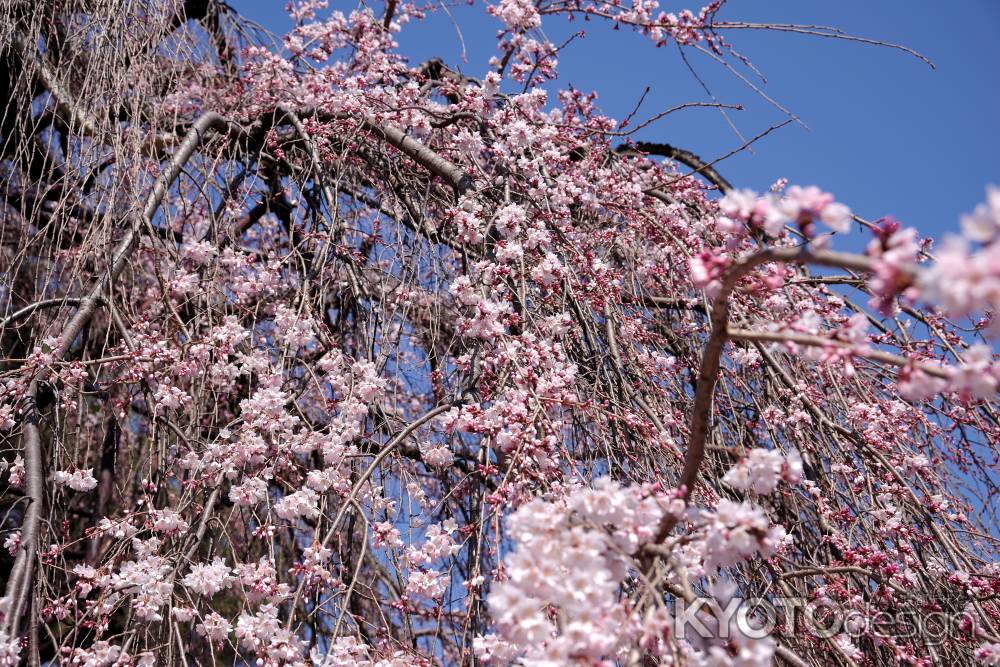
(888, 135)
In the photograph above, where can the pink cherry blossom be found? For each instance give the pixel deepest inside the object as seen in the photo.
(207, 579)
(78, 480)
(762, 469)
(983, 224)
(318, 354)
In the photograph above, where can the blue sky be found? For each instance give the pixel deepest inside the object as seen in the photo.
(888, 135)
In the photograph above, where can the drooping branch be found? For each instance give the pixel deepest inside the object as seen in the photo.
(351, 498)
(19, 586)
(80, 120)
(123, 251)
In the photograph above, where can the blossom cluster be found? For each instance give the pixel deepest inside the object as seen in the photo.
(762, 469)
(773, 211)
(572, 558)
(561, 601)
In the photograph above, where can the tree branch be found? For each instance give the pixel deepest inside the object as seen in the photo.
(685, 157)
(701, 413)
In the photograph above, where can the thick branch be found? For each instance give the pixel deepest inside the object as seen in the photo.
(432, 161)
(701, 413)
(19, 583)
(685, 157)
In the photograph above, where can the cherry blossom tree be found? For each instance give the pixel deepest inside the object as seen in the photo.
(313, 355)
